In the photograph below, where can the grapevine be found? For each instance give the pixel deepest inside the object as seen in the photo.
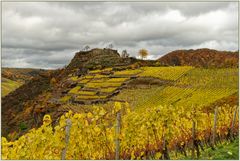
(92, 135)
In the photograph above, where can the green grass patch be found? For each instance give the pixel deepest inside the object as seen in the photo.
(226, 151)
(22, 126)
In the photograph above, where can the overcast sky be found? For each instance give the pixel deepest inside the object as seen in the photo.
(47, 35)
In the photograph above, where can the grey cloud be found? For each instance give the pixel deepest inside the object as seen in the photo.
(40, 59)
(46, 35)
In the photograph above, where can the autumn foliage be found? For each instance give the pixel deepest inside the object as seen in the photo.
(143, 53)
(200, 58)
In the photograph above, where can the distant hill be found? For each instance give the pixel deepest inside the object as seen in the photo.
(13, 78)
(20, 74)
(200, 58)
(9, 85)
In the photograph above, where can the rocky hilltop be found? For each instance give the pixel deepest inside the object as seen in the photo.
(98, 58)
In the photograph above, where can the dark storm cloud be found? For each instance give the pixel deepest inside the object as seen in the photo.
(46, 35)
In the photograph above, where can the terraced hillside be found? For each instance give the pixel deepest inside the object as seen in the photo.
(154, 86)
(98, 86)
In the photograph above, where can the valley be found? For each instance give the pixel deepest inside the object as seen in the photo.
(122, 107)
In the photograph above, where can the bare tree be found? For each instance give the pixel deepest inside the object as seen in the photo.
(86, 48)
(125, 54)
(110, 46)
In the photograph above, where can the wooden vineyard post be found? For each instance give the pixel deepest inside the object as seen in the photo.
(165, 149)
(214, 127)
(233, 122)
(117, 141)
(68, 127)
(193, 139)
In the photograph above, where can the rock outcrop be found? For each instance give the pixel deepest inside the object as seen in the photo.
(98, 58)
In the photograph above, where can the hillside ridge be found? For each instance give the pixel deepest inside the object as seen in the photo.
(20, 74)
(200, 58)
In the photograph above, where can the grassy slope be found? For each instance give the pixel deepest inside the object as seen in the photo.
(9, 86)
(226, 151)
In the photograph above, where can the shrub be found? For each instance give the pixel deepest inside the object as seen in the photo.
(22, 126)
